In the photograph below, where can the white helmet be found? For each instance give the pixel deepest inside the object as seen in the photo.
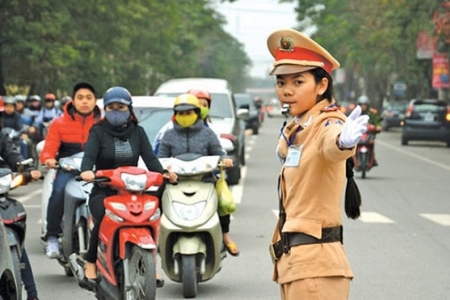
(363, 100)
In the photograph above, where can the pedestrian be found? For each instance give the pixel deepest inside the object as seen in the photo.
(115, 141)
(67, 135)
(314, 146)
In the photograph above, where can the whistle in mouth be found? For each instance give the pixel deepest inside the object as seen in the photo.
(285, 109)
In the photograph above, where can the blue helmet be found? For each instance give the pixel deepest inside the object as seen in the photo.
(117, 94)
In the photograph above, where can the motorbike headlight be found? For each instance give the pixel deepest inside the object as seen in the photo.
(113, 216)
(156, 215)
(134, 182)
(189, 212)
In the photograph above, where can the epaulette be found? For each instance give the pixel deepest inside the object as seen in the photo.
(331, 107)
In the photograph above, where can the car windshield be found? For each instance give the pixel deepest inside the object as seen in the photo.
(220, 105)
(421, 107)
(244, 100)
(152, 119)
(400, 106)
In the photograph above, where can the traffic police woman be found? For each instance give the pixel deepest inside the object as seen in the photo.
(309, 257)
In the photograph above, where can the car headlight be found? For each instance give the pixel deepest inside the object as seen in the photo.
(189, 212)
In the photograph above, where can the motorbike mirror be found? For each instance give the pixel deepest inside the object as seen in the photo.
(26, 162)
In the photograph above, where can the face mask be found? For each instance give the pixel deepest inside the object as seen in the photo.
(117, 118)
(204, 111)
(186, 120)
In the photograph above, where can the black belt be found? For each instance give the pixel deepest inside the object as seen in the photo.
(329, 235)
(292, 239)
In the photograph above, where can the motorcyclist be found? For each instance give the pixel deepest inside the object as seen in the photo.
(190, 135)
(23, 110)
(115, 141)
(374, 119)
(67, 135)
(34, 106)
(48, 113)
(12, 119)
(9, 158)
(205, 104)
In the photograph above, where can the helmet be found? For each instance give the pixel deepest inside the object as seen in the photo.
(21, 98)
(35, 98)
(2, 107)
(117, 94)
(9, 100)
(65, 99)
(201, 94)
(50, 97)
(363, 100)
(186, 102)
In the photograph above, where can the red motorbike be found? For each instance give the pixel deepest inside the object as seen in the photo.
(364, 159)
(128, 236)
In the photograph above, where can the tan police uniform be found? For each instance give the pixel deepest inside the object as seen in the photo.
(312, 180)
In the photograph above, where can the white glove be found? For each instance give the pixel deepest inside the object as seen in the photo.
(354, 127)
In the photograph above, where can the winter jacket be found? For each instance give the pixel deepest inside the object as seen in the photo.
(312, 187)
(194, 139)
(47, 115)
(68, 133)
(110, 147)
(8, 153)
(13, 121)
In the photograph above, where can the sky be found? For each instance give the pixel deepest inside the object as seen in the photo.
(251, 22)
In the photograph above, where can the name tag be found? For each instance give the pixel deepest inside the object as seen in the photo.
(293, 156)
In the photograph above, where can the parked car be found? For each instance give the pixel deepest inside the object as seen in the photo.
(246, 101)
(273, 109)
(393, 115)
(427, 120)
(8, 284)
(226, 119)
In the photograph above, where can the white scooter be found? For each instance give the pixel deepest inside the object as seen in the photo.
(190, 243)
(74, 225)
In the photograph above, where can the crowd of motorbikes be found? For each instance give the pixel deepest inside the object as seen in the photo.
(187, 236)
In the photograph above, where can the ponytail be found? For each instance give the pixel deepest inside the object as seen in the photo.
(352, 195)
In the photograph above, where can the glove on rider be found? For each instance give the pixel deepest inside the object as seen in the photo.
(354, 127)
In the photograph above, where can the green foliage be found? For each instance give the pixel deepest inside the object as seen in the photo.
(374, 40)
(49, 45)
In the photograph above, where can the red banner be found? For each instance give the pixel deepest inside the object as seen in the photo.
(440, 71)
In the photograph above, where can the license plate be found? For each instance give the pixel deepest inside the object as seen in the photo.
(429, 118)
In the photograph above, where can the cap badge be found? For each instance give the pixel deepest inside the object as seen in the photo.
(286, 44)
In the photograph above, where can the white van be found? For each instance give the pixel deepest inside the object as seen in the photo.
(226, 120)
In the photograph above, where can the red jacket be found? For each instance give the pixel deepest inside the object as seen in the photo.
(68, 133)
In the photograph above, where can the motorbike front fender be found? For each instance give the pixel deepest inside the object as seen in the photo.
(140, 236)
(13, 238)
(189, 245)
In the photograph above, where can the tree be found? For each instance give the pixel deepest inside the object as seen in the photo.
(374, 40)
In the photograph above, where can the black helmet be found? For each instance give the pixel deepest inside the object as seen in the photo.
(117, 94)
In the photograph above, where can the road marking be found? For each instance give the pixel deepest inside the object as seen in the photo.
(237, 190)
(414, 155)
(374, 217)
(442, 219)
(29, 196)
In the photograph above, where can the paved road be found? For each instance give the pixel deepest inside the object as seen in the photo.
(399, 249)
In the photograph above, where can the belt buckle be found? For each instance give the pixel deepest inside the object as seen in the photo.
(276, 250)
